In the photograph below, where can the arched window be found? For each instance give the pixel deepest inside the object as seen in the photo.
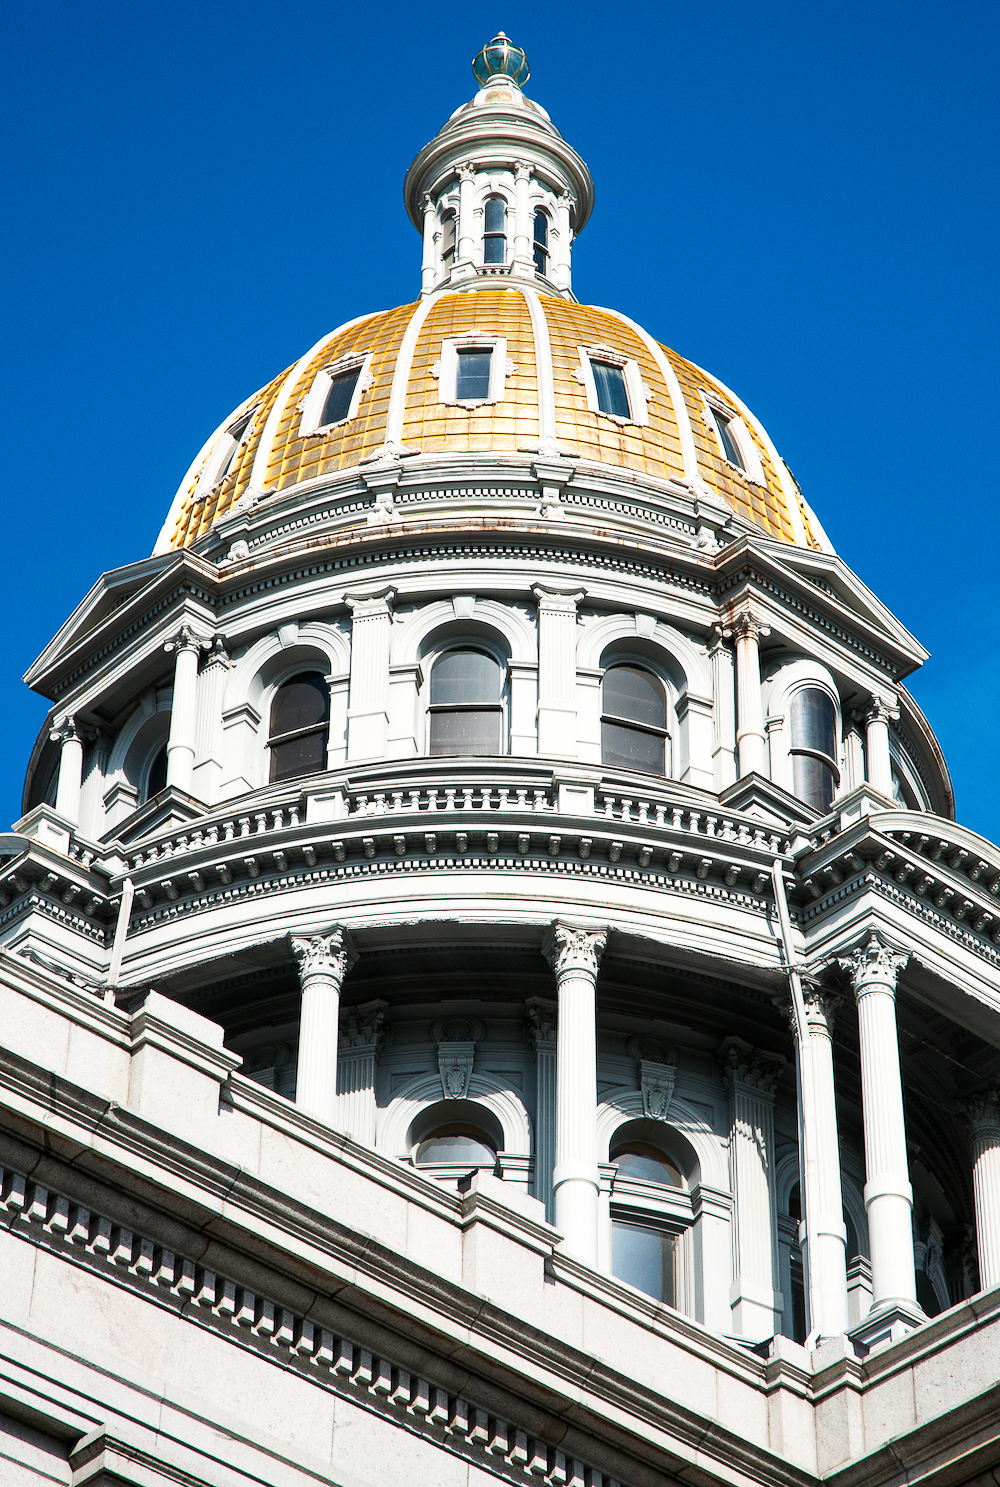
(459, 1143)
(541, 242)
(466, 711)
(644, 1247)
(495, 230)
(300, 723)
(449, 234)
(156, 778)
(634, 720)
(813, 747)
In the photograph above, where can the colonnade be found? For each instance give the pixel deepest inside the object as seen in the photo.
(750, 1076)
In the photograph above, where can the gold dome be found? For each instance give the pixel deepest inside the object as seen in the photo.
(544, 395)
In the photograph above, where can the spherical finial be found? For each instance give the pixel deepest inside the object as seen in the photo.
(501, 58)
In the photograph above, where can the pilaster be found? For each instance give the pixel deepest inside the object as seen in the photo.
(750, 1076)
(557, 620)
(185, 646)
(368, 702)
(541, 1018)
(981, 1113)
(361, 1039)
(748, 631)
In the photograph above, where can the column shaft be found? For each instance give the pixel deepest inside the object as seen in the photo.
(560, 260)
(749, 708)
(982, 1114)
(522, 223)
(751, 1077)
(877, 745)
(324, 961)
(888, 1195)
(542, 1031)
(428, 266)
(185, 646)
(466, 253)
(575, 956)
(70, 770)
(368, 703)
(829, 1264)
(557, 671)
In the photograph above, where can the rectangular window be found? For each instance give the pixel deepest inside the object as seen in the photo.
(473, 377)
(609, 382)
(728, 439)
(644, 1258)
(338, 399)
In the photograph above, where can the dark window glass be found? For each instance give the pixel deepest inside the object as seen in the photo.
(644, 1258)
(610, 384)
(449, 227)
(300, 717)
(640, 1159)
(495, 233)
(456, 1145)
(541, 243)
(235, 432)
(465, 710)
(472, 380)
(729, 443)
(338, 399)
(813, 738)
(633, 722)
(157, 777)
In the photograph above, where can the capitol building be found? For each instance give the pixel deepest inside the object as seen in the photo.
(492, 986)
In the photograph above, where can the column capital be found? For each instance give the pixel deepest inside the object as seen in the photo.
(65, 730)
(426, 201)
(566, 199)
(187, 638)
(720, 638)
(746, 624)
(879, 709)
(542, 1022)
(330, 954)
(466, 171)
(873, 966)
(522, 170)
(368, 603)
(361, 1028)
(568, 948)
(564, 601)
(980, 1112)
(217, 655)
(754, 1069)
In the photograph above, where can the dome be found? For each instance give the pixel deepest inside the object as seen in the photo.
(546, 402)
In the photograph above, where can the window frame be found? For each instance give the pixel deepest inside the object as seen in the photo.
(661, 1208)
(544, 246)
(467, 643)
(503, 237)
(445, 369)
(810, 684)
(237, 432)
(715, 412)
(273, 739)
(639, 395)
(640, 663)
(314, 401)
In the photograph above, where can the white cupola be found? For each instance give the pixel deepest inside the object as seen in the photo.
(498, 193)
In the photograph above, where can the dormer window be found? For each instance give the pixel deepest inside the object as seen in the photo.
(734, 439)
(449, 234)
(541, 242)
(472, 377)
(495, 230)
(224, 456)
(730, 448)
(612, 396)
(336, 394)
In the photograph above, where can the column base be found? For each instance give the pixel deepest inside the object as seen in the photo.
(890, 1321)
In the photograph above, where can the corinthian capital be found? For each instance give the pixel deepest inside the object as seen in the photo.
(981, 1112)
(329, 955)
(186, 638)
(874, 966)
(880, 710)
(568, 949)
(63, 730)
(747, 625)
(753, 1068)
(522, 170)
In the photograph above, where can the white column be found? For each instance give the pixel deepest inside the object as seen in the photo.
(874, 970)
(854, 755)
(982, 1116)
(575, 955)
(184, 646)
(361, 1039)
(522, 220)
(67, 735)
(427, 267)
(465, 252)
(724, 690)
(542, 1032)
(829, 1264)
(557, 670)
(560, 260)
(877, 744)
(747, 631)
(750, 1077)
(324, 961)
(207, 775)
(368, 703)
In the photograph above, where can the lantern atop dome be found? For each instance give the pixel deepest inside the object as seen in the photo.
(500, 58)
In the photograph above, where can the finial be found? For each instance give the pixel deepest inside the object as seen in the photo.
(502, 59)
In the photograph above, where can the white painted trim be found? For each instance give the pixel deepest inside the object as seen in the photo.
(396, 416)
(502, 1101)
(543, 367)
(636, 391)
(446, 369)
(715, 412)
(411, 633)
(685, 433)
(315, 398)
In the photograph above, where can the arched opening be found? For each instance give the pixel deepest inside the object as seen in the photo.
(645, 1245)
(452, 1137)
(449, 237)
(300, 725)
(634, 720)
(156, 776)
(466, 709)
(813, 747)
(495, 230)
(540, 246)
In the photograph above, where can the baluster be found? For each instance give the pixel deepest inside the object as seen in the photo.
(609, 807)
(261, 819)
(693, 819)
(278, 818)
(676, 814)
(293, 814)
(643, 812)
(539, 804)
(414, 800)
(229, 830)
(503, 803)
(522, 800)
(710, 825)
(449, 798)
(378, 807)
(432, 800)
(661, 814)
(466, 798)
(626, 812)
(397, 800)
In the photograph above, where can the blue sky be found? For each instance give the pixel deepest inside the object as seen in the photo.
(802, 198)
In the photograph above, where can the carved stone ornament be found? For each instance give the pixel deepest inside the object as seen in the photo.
(748, 626)
(981, 1112)
(64, 730)
(656, 1082)
(753, 1068)
(541, 1024)
(187, 638)
(330, 955)
(881, 710)
(874, 966)
(567, 949)
(361, 1029)
(455, 1062)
